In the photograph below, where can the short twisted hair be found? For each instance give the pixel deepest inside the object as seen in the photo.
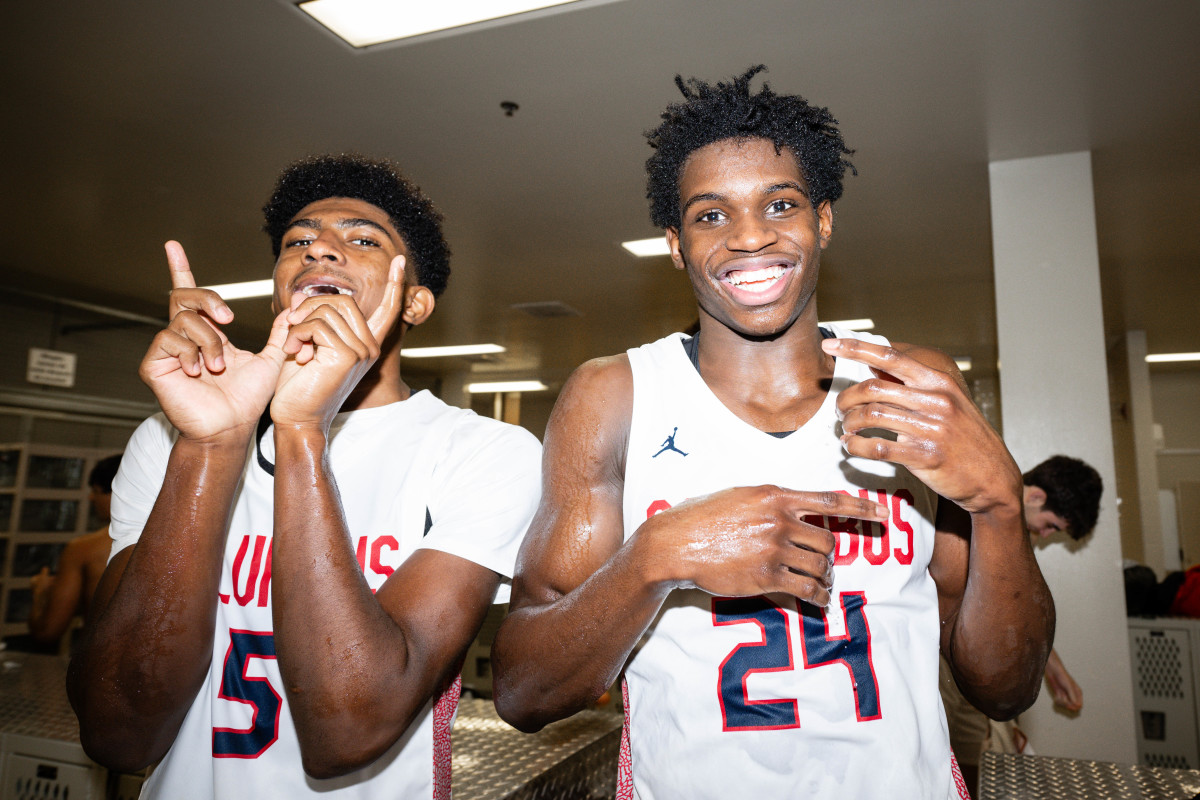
(103, 472)
(378, 182)
(1073, 490)
(712, 113)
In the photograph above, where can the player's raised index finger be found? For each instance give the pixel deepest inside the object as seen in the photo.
(384, 317)
(882, 357)
(181, 271)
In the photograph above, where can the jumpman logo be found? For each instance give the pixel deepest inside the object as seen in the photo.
(669, 444)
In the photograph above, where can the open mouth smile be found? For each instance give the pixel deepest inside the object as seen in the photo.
(755, 280)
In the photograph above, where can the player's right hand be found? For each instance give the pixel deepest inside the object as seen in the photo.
(753, 540)
(206, 386)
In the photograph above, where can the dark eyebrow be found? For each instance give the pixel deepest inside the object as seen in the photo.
(310, 224)
(701, 198)
(795, 186)
(358, 222)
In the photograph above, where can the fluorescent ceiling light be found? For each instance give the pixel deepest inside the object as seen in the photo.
(851, 324)
(648, 247)
(451, 350)
(366, 22)
(1159, 358)
(237, 291)
(963, 362)
(506, 386)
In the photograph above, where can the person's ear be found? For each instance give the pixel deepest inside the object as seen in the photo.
(418, 305)
(825, 221)
(1035, 496)
(674, 244)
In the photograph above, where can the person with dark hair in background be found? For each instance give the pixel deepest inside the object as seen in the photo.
(775, 577)
(304, 547)
(1060, 495)
(59, 598)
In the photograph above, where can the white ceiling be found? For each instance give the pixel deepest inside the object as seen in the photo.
(128, 123)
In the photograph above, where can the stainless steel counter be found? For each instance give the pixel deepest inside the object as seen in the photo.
(575, 759)
(1013, 777)
(33, 697)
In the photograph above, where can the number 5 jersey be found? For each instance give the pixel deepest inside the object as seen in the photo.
(413, 474)
(766, 697)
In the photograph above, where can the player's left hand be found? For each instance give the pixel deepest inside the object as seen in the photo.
(941, 436)
(330, 347)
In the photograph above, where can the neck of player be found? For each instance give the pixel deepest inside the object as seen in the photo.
(382, 385)
(775, 384)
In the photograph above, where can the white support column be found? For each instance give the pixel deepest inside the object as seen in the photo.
(1159, 554)
(1054, 399)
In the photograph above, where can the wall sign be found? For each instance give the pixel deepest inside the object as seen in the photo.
(51, 367)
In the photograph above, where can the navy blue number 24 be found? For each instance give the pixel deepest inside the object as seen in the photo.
(254, 691)
(773, 653)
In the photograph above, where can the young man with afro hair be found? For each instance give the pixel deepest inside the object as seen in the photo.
(775, 579)
(303, 548)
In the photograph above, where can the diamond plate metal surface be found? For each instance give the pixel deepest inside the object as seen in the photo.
(575, 759)
(33, 697)
(1015, 777)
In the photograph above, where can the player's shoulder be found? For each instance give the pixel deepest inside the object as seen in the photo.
(599, 378)
(489, 432)
(593, 410)
(150, 442)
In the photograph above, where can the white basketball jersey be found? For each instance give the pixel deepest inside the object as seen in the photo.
(479, 481)
(763, 697)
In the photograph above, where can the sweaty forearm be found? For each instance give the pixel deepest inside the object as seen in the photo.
(344, 661)
(554, 658)
(1005, 627)
(149, 643)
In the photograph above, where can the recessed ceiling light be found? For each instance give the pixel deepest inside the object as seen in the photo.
(237, 291)
(366, 22)
(506, 386)
(1159, 358)
(648, 247)
(852, 324)
(451, 350)
(963, 362)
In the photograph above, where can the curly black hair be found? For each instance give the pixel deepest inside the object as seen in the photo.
(729, 111)
(1073, 490)
(378, 182)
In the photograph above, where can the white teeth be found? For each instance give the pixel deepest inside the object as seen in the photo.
(324, 288)
(738, 277)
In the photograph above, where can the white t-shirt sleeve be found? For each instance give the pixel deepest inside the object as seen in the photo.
(483, 495)
(139, 479)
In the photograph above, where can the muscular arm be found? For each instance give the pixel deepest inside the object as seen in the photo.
(148, 642)
(583, 595)
(996, 611)
(358, 667)
(148, 645)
